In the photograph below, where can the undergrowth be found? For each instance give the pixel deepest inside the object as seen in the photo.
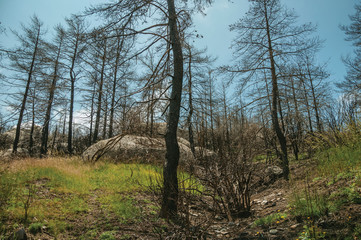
(48, 193)
(270, 219)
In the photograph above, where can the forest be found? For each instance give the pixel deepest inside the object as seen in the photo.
(122, 128)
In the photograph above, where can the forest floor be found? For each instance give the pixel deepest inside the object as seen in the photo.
(65, 199)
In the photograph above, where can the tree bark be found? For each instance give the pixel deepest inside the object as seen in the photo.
(22, 109)
(275, 99)
(45, 130)
(100, 94)
(115, 79)
(190, 102)
(170, 188)
(315, 104)
(71, 109)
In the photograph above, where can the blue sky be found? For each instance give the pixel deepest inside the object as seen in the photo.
(327, 14)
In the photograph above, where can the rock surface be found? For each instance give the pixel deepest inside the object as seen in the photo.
(126, 147)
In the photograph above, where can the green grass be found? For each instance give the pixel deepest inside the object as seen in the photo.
(109, 235)
(339, 160)
(311, 204)
(66, 189)
(270, 219)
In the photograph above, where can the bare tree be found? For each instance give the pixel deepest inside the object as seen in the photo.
(168, 28)
(351, 84)
(75, 34)
(30, 46)
(267, 37)
(56, 50)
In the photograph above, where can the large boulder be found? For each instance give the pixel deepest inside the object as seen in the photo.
(8, 154)
(122, 148)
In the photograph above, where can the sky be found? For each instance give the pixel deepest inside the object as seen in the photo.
(328, 15)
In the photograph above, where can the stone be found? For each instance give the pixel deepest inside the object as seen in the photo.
(274, 171)
(273, 231)
(125, 147)
(231, 224)
(295, 226)
(19, 235)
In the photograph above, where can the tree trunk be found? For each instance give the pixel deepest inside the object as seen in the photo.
(190, 102)
(91, 116)
(105, 117)
(307, 105)
(32, 129)
(22, 109)
(45, 130)
(71, 109)
(170, 188)
(315, 104)
(100, 94)
(115, 79)
(275, 99)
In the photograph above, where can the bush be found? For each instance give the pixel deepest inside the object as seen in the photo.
(35, 228)
(109, 235)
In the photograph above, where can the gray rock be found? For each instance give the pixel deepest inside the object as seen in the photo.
(131, 146)
(274, 171)
(231, 224)
(19, 235)
(273, 231)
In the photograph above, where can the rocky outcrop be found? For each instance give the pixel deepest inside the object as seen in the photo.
(122, 148)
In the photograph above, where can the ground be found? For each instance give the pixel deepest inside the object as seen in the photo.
(93, 213)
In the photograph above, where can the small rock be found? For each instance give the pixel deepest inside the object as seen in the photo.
(217, 217)
(274, 171)
(19, 235)
(231, 224)
(271, 196)
(222, 231)
(271, 205)
(293, 227)
(273, 231)
(194, 214)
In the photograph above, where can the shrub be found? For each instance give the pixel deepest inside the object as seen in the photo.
(35, 228)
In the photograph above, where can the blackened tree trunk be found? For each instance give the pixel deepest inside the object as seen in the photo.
(275, 101)
(72, 89)
(190, 102)
(31, 135)
(100, 93)
(170, 188)
(45, 130)
(307, 103)
(120, 42)
(30, 75)
(314, 98)
(91, 116)
(75, 46)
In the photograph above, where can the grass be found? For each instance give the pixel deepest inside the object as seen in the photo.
(339, 160)
(311, 204)
(66, 189)
(270, 219)
(335, 187)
